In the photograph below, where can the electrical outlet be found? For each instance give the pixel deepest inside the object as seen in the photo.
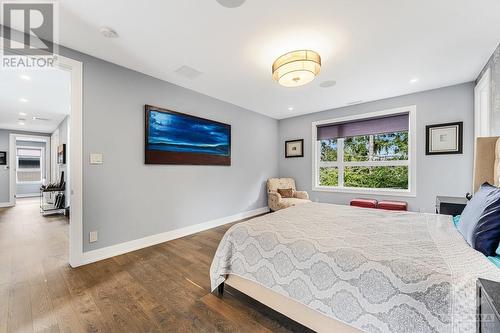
(93, 236)
(95, 158)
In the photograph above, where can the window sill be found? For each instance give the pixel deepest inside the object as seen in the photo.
(387, 192)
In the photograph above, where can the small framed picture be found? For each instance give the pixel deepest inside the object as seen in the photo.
(61, 154)
(444, 139)
(3, 158)
(294, 148)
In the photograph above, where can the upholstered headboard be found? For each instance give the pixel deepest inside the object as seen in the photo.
(487, 161)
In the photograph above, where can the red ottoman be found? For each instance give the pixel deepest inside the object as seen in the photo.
(393, 205)
(365, 203)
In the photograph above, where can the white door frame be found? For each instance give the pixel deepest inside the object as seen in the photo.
(13, 138)
(482, 106)
(75, 67)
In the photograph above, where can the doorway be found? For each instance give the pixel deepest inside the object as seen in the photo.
(73, 175)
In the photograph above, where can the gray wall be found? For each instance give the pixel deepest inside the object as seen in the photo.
(436, 175)
(30, 189)
(494, 65)
(4, 171)
(124, 199)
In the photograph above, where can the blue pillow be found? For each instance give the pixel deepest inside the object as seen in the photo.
(487, 231)
(480, 220)
(456, 221)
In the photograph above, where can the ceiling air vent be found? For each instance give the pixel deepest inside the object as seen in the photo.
(188, 72)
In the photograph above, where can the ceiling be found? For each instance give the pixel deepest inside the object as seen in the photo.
(372, 49)
(46, 94)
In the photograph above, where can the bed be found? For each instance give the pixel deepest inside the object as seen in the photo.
(338, 268)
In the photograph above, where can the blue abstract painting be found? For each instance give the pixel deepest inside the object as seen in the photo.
(172, 132)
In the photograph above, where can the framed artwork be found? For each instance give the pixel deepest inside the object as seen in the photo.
(444, 139)
(294, 148)
(3, 158)
(61, 154)
(177, 138)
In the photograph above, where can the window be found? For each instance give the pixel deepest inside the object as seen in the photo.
(29, 165)
(369, 154)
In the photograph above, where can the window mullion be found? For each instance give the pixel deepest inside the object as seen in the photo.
(340, 158)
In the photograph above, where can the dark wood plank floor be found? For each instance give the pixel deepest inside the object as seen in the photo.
(164, 288)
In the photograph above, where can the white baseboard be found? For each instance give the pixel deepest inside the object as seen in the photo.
(115, 250)
(5, 204)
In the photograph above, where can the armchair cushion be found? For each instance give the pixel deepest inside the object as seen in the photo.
(286, 192)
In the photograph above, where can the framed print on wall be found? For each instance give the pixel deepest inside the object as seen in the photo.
(179, 138)
(294, 148)
(61, 154)
(443, 139)
(3, 158)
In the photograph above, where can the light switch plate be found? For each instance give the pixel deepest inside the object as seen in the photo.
(95, 158)
(93, 236)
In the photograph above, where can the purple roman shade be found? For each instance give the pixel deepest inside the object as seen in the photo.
(389, 124)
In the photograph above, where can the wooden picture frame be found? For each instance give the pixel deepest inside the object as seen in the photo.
(444, 139)
(294, 148)
(185, 153)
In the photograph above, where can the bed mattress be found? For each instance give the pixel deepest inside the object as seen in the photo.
(376, 270)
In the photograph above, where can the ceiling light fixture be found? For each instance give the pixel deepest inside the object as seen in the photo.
(25, 77)
(22, 114)
(21, 123)
(230, 3)
(23, 100)
(290, 108)
(108, 32)
(414, 80)
(296, 68)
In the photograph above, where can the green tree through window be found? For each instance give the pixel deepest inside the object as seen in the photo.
(359, 159)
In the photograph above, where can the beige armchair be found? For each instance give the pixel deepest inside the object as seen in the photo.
(274, 199)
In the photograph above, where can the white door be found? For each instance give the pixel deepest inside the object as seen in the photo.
(482, 106)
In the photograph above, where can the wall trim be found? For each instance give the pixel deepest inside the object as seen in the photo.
(137, 244)
(5, 204)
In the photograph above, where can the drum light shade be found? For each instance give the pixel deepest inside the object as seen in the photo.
(296, 68)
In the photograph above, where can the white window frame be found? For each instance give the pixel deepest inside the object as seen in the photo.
(42, 160)
(411, 162)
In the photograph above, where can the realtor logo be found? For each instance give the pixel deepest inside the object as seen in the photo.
(29, 34)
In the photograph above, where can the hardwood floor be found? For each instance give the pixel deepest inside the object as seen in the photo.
(164, 288)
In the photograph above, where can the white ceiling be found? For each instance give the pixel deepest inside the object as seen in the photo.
(370, 48)
(46, 95)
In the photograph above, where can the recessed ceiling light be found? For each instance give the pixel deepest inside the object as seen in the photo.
(25, 77)
(108, 32)
(290, 108)
(21, 123)
(328, 84)
(23, 100)
(22, 114)
(231, 3)
(414, 80)
(296, 68)
(40, 118)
